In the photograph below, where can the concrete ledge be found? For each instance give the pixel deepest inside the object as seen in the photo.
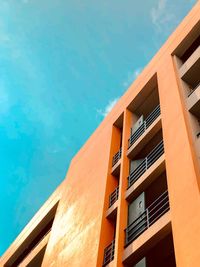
(116, 168)
(111, 264)
(193, 102)
(41, 245)
(112, 211)
(189, 71)
(146, 179)
(148, 239)
(145, 138)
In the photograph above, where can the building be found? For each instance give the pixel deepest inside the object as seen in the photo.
(131, 196)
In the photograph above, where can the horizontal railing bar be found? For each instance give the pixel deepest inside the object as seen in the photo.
(153, 114)
(163, 200)
(140, 167)
(160, 215)
(165, 192)
(116, 157)
(139, 225)
(148, 217)
(144, 213)
(133, 223)
(154, 157)
(159, 145)
(138, 131)
(133, 237)
(138, 230)
(158, 210)
(113, 196)
(138, 218)
(146, 163)
(153, 154)
(109, 253)
(145, 225)
(147, 122)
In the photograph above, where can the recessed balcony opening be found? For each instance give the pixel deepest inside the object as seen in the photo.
(188, 59)
(35, 238)
(145, 108)
(190, 50)
(193, 102)
(189, 45)
(190, 89)
(109, 250)
(145, 102)
(146, 208)
(195, 123)
(117, 148)
(142, 125)
(160, 255)
(109, 253)
(37, 261)
(143, 116)
(117, 156)
(146, 157)
(114, 196)
(111, 212)
(189, 72)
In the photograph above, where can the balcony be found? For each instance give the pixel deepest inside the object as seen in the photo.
(116, 163)
(151, 158)
(192, 90)
(144, 126)
(34, 256)
(189, 71)
(111, 213)
(109, 253)
(193, 101)
(155, 211)
(161, 253)
(116, 157)
(113, 197)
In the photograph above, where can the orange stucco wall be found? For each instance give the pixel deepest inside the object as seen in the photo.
(80, 230)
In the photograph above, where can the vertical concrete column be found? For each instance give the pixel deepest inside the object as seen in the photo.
(107, 227)
(182, 176)
(122, 212)
(191, 121)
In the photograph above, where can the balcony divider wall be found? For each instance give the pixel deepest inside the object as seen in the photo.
(108, 226)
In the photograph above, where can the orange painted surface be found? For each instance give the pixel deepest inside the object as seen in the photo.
(81, 231)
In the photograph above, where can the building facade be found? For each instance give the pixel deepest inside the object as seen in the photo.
(131, 196)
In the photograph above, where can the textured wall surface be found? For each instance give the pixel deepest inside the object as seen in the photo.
(80, 224)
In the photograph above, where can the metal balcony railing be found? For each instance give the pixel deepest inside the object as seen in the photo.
(156, 210)
(149, 120)
(193, 89)
(113, 196)
(116, 157)
(151, 158)
(109, 253)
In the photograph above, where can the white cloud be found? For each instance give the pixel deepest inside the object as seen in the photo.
(157, 12)
(131, 77)
(163, 17)
(137, 72)
(104, 112)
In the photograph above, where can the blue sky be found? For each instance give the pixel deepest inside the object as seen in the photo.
(63, 64)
